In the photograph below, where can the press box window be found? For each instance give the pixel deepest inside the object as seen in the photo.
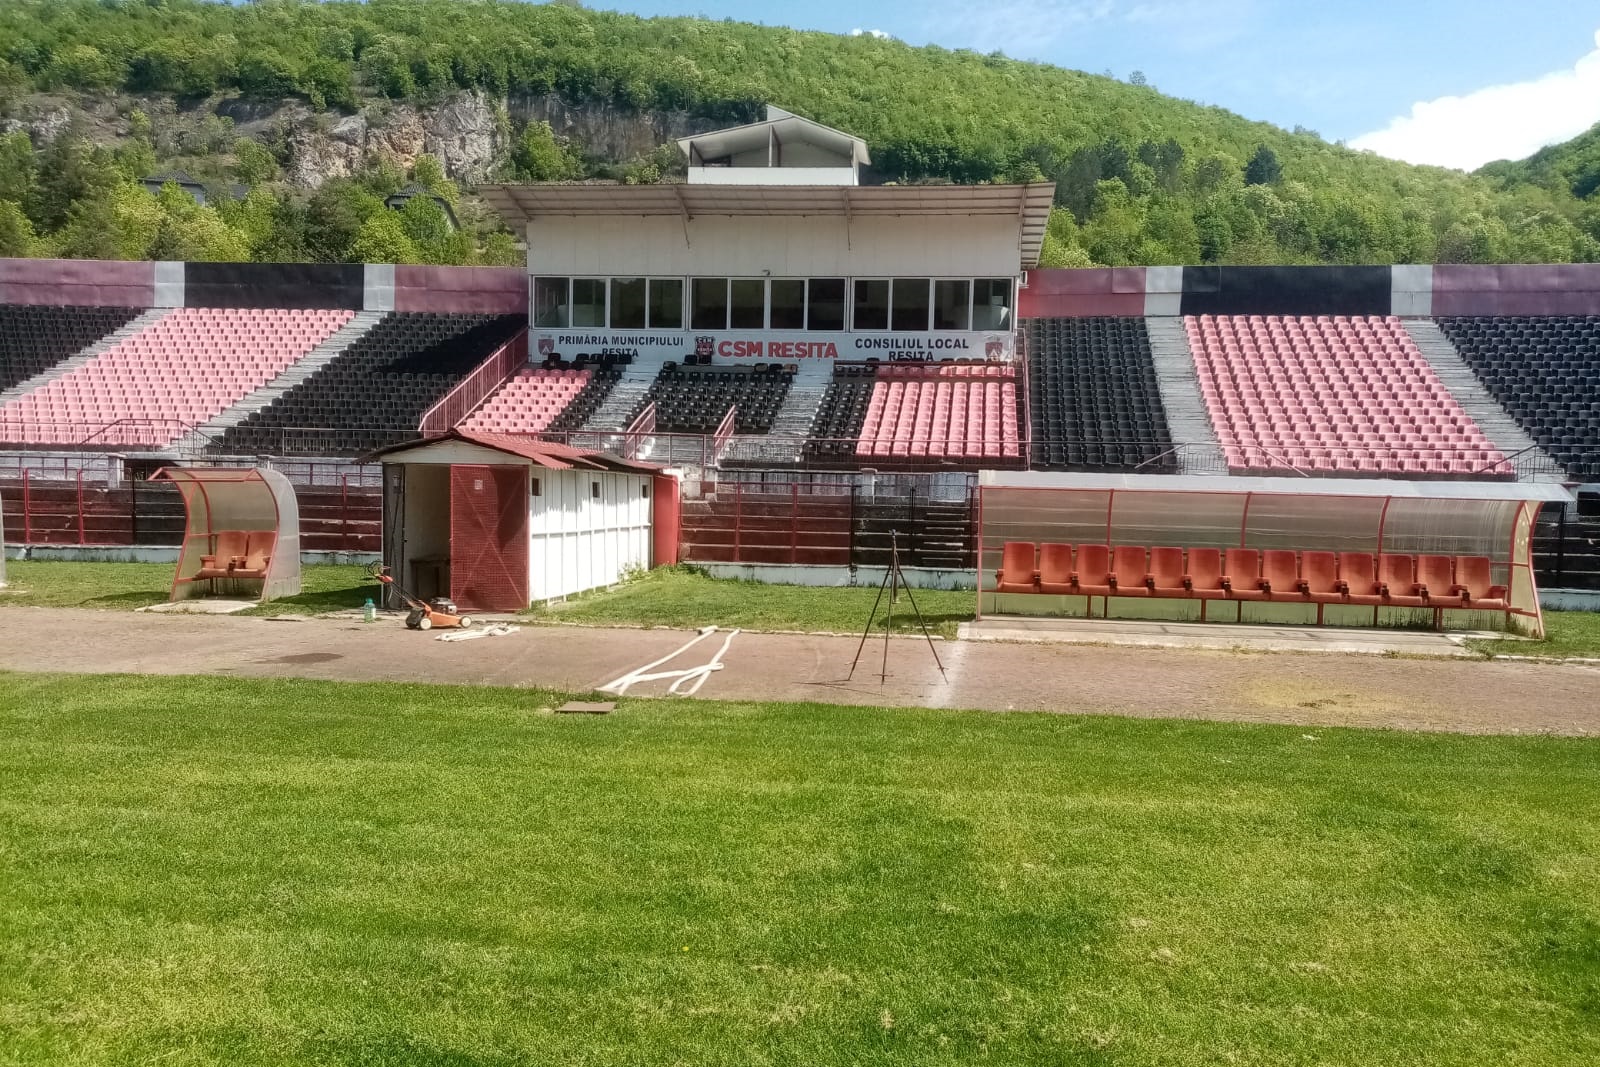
(748, 303)
(872, 305)
(627, 303)
(589, 302)
(788, 304)
(991, 304)
(666, 303)
(825, 304)
(709, 297)
(910, 304)
(551, 306)
(952, 305)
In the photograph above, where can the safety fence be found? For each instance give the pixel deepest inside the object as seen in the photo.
(824, 523)
(103, 501)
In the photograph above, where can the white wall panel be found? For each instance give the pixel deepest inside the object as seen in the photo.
(787, 246)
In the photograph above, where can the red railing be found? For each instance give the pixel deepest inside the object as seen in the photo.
(476, 387)
(724, 432)
(643, 426)
(61, 500)
(135, 433)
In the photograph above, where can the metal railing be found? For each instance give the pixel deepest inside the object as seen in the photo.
(476, 387)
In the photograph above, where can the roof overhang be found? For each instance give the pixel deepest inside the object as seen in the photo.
(1543, 492)
(540, 453)
(1028, 204)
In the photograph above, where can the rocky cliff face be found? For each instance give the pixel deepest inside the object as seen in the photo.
(469, 132)
(465, 133)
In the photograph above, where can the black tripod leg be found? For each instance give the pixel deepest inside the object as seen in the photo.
(868, 630)
(925, 634)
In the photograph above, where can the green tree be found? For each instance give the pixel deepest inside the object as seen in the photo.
(16, 168)
(1263, 168)
(253, 163)
(383, 239)
(539, 157)
(16, 232)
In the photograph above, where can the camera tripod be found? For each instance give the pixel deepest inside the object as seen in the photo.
(893, 582)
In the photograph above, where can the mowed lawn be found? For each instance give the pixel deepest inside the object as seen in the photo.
(683, 596)
(124, 586)
(200, 871)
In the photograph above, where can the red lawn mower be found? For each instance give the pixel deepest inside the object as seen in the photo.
(440, 612)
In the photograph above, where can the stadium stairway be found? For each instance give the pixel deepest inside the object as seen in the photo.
(616, 410)
(297, 372)
(135, 325)
(1199, 451)
(786, 442)
(1497, 425)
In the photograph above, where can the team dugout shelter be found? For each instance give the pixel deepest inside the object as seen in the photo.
(775, 251)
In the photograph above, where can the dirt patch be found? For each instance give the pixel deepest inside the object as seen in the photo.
(306, 657)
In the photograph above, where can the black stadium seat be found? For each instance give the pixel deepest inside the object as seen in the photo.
(1546, 373)
(1094, 397)
(375, 392)
(696, 399)
(34, 338)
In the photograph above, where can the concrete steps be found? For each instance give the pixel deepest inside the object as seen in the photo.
(786, 442)
(1199, 452)
(616, 410)
(1532, 462)
(83, 357)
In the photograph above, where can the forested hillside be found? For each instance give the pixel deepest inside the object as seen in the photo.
(301, 118)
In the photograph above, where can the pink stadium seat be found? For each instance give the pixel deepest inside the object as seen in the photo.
(527, 402)
(1271, 382)
(949, 411)
(181, 371)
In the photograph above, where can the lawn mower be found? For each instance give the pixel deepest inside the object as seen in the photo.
(439, 612)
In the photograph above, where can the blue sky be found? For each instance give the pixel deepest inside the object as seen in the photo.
(1456, 83)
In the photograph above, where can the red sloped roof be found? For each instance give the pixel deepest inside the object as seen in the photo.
(543, 453)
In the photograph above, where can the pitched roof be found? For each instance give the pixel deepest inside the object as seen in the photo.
(543, 453)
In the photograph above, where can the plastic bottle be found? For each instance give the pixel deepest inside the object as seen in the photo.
(369, 611)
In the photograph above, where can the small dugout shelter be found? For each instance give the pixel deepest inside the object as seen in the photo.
(498, 522)
(1283, 551)
(241, 528)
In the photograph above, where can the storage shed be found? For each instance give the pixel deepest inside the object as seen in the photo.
(500, 522)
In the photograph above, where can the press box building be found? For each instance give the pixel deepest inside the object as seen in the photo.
(773, 250)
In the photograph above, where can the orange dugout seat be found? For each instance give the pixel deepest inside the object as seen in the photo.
(1055, 568)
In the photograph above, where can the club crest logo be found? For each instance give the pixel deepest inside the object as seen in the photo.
(547, 345)
(704, 346)
(994, 349)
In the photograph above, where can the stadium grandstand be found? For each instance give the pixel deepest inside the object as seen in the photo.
(822, 362)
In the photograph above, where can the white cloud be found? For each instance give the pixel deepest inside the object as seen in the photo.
(879, 34)
(1497, 122)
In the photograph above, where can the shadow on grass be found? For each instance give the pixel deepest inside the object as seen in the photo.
(124, 601)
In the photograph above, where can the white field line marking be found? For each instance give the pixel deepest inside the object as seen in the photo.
(691, 677)
(955, 656)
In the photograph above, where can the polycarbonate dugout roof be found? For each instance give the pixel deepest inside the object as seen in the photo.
(1028, 204)
(1352, 487)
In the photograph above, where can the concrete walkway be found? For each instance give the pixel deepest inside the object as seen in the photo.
(1221, 636)
(1472, 696)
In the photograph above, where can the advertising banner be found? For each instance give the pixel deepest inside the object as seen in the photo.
(775, 345)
